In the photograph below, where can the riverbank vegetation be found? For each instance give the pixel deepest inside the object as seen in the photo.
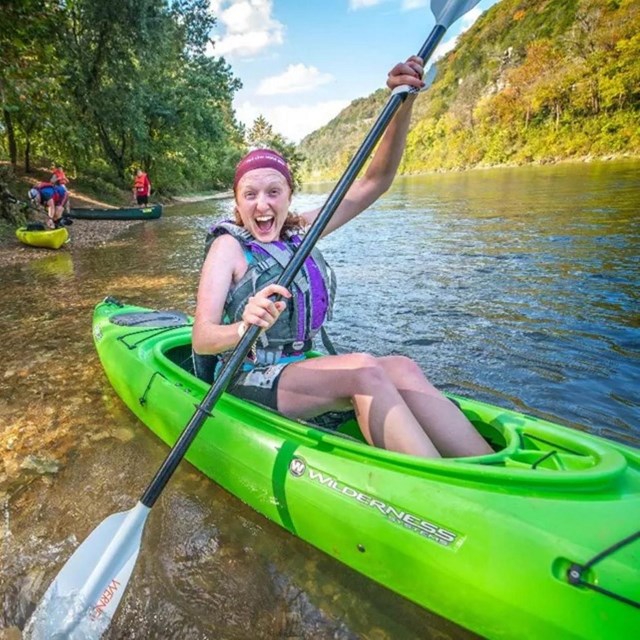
(531, 81)
(103, 87)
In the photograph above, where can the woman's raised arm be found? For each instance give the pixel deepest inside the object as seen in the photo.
(382, 169)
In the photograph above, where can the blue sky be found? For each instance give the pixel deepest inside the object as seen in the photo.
(302, 61)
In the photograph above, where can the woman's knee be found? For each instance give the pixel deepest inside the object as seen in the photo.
(368, 373)
(401, 367)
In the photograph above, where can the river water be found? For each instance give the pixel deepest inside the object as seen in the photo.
(514, 286)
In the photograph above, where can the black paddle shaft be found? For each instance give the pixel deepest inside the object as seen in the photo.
(203, 410)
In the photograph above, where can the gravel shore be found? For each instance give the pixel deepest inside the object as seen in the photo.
(83, 233)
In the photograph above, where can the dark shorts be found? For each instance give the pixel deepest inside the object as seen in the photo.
(260, 384)
(142, 199)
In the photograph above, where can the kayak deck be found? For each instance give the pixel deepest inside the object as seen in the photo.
(150, 212)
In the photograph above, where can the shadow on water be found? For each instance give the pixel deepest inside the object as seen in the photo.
(518, 287)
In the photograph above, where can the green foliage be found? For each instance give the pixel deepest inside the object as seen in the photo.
(13, 209)
(329, 149)
(531, 81)
(28, 66)
(105, 86)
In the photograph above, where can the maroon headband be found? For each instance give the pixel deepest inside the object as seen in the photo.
(262, 159)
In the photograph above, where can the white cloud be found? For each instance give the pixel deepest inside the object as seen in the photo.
(298, 78)
(408, 5)
(247, 27)
(444, 47)
(470, 17)
(294, 123)
(354, 5)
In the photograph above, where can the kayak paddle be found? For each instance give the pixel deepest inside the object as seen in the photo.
(83, 598)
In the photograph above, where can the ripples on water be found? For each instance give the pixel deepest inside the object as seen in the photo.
(518, 287)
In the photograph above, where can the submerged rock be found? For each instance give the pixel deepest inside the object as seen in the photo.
(40, 464)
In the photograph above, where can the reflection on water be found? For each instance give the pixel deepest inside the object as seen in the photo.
(519, 287)
(56, 264)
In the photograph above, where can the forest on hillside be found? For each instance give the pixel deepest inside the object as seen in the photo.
(103, 87)
(531, 81)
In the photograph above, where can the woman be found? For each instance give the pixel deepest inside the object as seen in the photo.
(60, 200)
(396, 407)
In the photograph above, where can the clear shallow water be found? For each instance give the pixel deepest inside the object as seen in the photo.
(518, 287)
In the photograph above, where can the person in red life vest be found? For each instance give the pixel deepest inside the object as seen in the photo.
(43, 195)
(141, 187)
(58, 177)
(58, 172)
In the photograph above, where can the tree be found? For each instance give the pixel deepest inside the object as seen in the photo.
(145, 94)
(27, 61)
(262, 135)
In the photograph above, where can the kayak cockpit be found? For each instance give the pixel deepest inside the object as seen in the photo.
(524, 446)
(340, 423)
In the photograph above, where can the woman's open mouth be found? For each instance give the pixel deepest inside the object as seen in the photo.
(265, 223)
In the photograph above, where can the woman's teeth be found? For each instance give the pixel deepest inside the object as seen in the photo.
(264, 223)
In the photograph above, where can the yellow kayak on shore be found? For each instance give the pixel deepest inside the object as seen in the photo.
(46, 238)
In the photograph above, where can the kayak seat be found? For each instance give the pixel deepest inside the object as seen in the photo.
(334, 421)
(35, 226)
(203, 366)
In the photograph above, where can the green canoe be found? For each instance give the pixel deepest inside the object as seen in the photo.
(537, 540)
(124, 213)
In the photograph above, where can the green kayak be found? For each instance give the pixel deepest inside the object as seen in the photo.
(149, 212)
(537, 540)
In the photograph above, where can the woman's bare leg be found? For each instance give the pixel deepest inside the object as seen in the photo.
(311, 387)
(446, 426)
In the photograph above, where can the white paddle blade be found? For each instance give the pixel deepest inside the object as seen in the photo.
(446, 12)
(80, 603)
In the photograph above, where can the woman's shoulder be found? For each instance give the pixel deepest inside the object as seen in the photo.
(223, 229)
(225, 255)
(224, 242)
